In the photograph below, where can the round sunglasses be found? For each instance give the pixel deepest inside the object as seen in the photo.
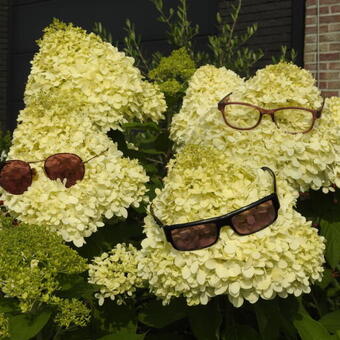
(244, 221)
(16, 175)
(290, 119)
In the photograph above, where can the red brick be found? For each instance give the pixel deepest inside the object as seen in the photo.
(334, 65)
(324, 10)
(330, 75)
(330, 93)
(310, 66)
(334, 47)
(323, 85)
(333, 84)
(334, 27)
(324, 28)
(310, 3)
(310, 20)
(335, 9)
(330, 56)
(310, 29)
(329, 2)
(330, 18)
(311, 11)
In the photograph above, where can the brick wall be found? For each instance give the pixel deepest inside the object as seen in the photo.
(3, 60)
(325, 65)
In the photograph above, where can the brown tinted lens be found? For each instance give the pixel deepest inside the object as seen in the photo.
(15, 177)
(254, 219)
(194, 237)
(65, 165)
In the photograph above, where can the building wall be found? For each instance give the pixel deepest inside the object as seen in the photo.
(280, 23)
(323, 61)
(3, 60)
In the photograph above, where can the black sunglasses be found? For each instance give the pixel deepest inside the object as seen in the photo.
(244, 221)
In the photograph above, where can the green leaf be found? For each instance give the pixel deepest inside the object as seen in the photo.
(331, 230)
(166, 336)
(268, 319)
(8, 305)
(331, 321)
(308, 328)
(327, 278)
(154, 314)
(240, 332)
(205, 321)
(26, 326)
(127, 333)
(289, 308)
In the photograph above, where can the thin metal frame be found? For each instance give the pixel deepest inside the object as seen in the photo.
(32, 171)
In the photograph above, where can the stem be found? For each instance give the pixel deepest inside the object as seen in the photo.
(316, 304)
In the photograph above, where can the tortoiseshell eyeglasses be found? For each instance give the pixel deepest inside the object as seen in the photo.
(290, 119)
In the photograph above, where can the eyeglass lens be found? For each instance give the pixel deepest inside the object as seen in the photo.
(293, 120)
(194, 237)
(254, 219)
(241, 116)
(16, 177)
(65, 165)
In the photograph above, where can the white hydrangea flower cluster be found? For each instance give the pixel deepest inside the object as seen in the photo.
(115, 273)
(306, 160)
(79, 88)
(213, 84)
(285, 258)
(103, 81)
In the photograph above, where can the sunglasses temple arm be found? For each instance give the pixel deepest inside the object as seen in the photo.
(96, 156)
(272, 174)
(158, 221)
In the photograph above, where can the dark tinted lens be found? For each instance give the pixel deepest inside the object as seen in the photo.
(194, 237)
(254, 219)
(15, 177)
(65, 165)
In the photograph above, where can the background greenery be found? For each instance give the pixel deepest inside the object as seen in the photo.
(47, 280)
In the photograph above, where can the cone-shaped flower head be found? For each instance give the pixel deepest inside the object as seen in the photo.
(306, 160)
(284, 258)
(79, 88)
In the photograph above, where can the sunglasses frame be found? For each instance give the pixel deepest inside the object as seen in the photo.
(225, 101)
(223, 220)
(32, 171)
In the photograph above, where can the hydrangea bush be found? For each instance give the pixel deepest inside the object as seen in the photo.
(79, 88)
(282, 259)
(35, 266)
(306, 160)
